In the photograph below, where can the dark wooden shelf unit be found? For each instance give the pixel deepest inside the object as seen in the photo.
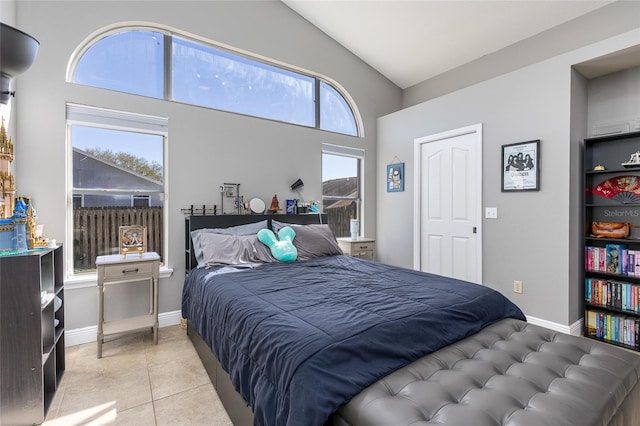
(32, 359)
(606, 320)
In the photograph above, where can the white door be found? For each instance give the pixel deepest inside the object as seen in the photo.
(448, 203)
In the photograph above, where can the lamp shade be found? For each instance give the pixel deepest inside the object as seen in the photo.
(17, 53)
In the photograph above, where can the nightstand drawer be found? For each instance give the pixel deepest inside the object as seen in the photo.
(364, 248)
(144, 269)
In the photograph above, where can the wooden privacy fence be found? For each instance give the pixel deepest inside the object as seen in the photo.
(339, 219)
(96, 231)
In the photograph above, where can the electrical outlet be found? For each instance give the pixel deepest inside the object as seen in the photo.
(517, 286)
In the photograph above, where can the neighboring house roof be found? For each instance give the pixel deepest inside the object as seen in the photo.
(90, 171)
(341, 187)
(338, 204)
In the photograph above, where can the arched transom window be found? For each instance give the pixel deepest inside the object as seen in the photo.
(161, 63)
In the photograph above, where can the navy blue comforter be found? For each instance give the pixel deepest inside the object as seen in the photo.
(300, 339)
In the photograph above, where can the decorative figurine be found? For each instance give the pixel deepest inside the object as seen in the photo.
(18, 229)
(7, 187)
(634, 161)
(34, 238)
(20, 226)
(275, 204)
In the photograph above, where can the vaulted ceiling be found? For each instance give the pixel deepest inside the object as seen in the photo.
(411, 41)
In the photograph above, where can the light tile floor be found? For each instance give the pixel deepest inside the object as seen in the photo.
(136, 383)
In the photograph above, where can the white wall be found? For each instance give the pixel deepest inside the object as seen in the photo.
(206, 147)
(615, 98)
(534, 238)
(615, 18)
(579, 112)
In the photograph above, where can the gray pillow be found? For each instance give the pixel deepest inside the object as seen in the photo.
(311, 240)
(220, 249)
(248, 229)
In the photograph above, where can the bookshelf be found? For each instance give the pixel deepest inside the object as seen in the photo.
(612, 265)
(32, 339)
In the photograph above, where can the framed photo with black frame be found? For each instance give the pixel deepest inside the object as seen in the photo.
(521, 166)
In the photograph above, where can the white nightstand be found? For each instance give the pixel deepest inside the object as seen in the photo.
(119, 269)
(362, 247)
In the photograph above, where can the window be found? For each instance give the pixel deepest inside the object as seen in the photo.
(131, 62)
(335, 112)
(117, 179)
(166, 65)
(141, 201)
(341, 187)
(77, 201)
(206, 76)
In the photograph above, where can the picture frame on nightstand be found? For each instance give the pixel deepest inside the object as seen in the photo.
(133, 240)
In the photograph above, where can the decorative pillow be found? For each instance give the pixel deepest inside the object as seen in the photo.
(311, 240)
(221, 249)
(248, 229)
(281, 247)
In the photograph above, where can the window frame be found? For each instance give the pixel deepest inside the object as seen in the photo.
(103, 118)
(169, 32)
(136, 197)
(358, 154)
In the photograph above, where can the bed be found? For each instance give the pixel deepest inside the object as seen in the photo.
(331, 339)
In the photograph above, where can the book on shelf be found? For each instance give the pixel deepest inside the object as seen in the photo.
(613, 253)
(613, 259)
(614, 294)
(591, 323)
(602, 259)
(622, 329)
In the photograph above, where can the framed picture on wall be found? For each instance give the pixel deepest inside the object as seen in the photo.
(133, 239)
(395, 177)
(521, 166)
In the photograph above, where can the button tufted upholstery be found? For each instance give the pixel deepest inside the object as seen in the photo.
(511, 373)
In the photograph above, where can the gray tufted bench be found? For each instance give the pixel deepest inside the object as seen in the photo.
(511, 373)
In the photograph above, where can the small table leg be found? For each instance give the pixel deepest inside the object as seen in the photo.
(100, 337)
(155, 309)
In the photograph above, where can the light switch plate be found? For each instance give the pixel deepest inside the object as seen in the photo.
(491, 212)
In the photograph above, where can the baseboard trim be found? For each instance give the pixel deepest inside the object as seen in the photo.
(79, 336)
(574, 329)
